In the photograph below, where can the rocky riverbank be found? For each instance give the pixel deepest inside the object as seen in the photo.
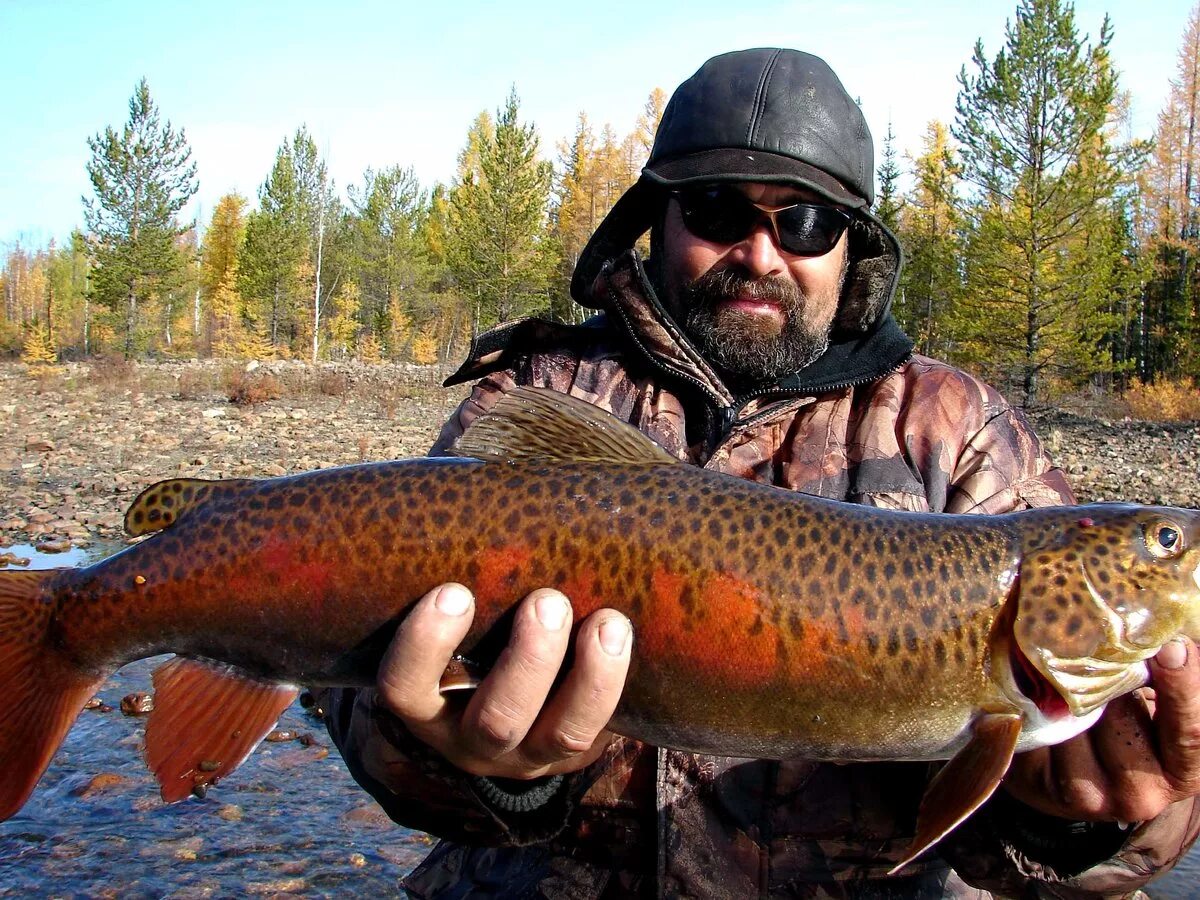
(78, 444)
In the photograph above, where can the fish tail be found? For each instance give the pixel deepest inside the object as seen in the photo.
(43, 691)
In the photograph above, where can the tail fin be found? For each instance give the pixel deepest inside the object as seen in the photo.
(43, 693)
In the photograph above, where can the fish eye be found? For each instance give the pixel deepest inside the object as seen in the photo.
(1164, 540)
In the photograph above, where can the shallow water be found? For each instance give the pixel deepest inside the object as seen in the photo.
(290, 820)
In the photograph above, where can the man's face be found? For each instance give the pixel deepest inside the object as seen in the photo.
(756, 310)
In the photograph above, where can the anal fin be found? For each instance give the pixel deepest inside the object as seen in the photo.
(965, 782)
(207, 719)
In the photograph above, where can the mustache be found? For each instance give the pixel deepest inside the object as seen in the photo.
(729, 284)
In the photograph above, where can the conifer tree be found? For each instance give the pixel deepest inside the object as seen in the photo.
(142, 177)
(219, 266)
(497, 248)
(1030, 124)
(888, 201)
(930, 225)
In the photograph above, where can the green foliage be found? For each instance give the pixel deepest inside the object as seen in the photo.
(1031, 125)
(888, 202)
(496, 247)
(142, 178)
(389, 252)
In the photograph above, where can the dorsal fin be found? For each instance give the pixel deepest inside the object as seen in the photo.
(165, 502)
(540, 424)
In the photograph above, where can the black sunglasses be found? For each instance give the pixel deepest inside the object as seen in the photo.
(725, 215)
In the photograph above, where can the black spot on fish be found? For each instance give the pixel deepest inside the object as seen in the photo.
(693, 503)
(870, 573)
(295, 498)
(889, 571)
(715, 530)
(910, 639)
(795, 625)
(872, 643)
(928, 616)
(906, 567)
(939, 651)
(844, 580)
(893, 644)
(1074, 625)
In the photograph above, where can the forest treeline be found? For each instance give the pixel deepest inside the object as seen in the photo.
(1046, 249)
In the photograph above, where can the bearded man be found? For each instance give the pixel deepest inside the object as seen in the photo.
(757, 341)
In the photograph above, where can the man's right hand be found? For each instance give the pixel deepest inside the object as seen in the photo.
(513, 726)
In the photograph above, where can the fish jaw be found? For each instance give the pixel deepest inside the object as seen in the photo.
(1102, 588)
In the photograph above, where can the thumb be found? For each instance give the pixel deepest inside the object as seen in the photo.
(1176, 676)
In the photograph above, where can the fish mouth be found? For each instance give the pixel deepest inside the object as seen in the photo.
(1034, 686)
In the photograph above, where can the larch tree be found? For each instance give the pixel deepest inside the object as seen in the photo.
(1170, 314)
(931, 228)
(219, 265)
(142, 177)
(1031, 127)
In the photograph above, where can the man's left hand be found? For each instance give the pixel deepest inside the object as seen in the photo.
(1140, 757)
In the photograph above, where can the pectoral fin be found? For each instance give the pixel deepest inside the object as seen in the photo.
(965, 782)
(461, 675)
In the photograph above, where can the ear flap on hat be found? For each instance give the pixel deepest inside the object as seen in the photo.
(630, 218)
(872, 276)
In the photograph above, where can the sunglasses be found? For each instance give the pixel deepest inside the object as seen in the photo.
(725, 215)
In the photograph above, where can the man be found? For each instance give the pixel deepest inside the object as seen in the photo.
(757, 341)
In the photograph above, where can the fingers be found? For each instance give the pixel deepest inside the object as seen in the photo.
(1176, 675)
(412, 666)
(575, 718)
(506, 705)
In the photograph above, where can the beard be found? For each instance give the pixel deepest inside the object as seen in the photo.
(754, 347)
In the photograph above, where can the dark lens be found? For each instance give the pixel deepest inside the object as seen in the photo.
(810, 230)
(717, 214)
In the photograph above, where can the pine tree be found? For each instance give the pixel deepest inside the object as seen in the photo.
(497, 249)
(392, 269)
(888, 201)
(1030, 124)
(142, 178)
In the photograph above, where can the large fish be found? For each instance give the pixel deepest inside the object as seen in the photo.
(767, 623)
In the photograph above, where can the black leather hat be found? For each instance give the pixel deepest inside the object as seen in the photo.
(765, 115)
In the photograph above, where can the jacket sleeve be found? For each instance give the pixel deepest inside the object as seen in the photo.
(412, 782)
(1007, 848)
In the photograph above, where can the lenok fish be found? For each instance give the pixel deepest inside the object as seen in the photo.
(766, 623)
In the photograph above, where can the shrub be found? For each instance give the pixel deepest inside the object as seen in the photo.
(248, 388)
(111, 370)
(333, 384)
(193, 384)
(1165, 400)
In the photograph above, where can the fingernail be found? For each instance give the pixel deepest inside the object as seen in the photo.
(551, 611)
(453, 600)
(614, 636)
(1173, 654)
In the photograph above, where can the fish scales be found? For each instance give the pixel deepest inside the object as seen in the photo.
(789, 609)
(766, 623)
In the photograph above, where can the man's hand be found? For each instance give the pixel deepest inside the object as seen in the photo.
(1142, 755)
(512, 726)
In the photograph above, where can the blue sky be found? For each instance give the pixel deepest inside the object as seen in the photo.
(385, 83)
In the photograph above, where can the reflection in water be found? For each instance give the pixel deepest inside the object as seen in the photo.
(290, 820)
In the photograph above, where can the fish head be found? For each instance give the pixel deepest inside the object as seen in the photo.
(1101, 589)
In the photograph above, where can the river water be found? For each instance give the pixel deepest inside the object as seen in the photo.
(290, 821)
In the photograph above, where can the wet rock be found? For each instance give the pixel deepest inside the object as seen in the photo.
(38, 445)
(139, 703)
(357, 860)
(278, 886)
(368, 816)
(230, 812)
(280, 735)
(9, 558)
(58, 546)
(99, 784)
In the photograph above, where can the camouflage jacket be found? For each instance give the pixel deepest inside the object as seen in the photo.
(913, 434)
